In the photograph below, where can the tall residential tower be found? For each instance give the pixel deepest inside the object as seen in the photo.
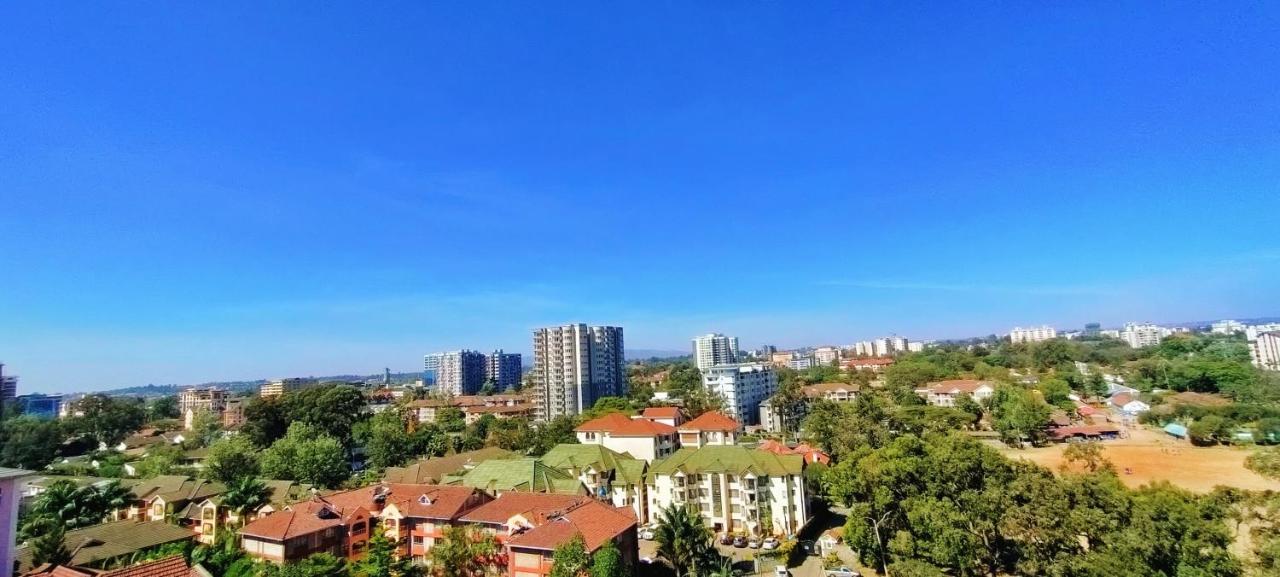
(714, 349)
(573, 365)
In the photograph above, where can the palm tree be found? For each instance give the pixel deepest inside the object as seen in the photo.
(246, 495)
(49, 545)
(685, 541)
(112, 497)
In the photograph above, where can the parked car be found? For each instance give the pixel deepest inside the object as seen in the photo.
(842, 572)
(647, 533)
(781, 571)
(809, 547)
(771, 543)
(753, 542)
(726, 539)
(739, 541)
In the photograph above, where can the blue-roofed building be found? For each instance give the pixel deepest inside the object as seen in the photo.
(1176, 430)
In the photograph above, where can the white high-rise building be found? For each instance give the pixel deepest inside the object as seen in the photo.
(1142, 335)
(826, 355)
(1032, 335)
(1265, 351)
(1251, 332)
(915, 346)
(573, 366)
(882, 347)
(457, 372)
(714, 349)
(743, 386)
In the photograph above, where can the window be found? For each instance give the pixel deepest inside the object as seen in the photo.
(358, 528)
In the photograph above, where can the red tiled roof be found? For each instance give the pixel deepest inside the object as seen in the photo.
(174, 566)
(711, 422)
(441, 502)
(604, 424)
(597, 522)
(661, 413)
(301, 519)
(530, 505)
(1121, 399)
(643, 428)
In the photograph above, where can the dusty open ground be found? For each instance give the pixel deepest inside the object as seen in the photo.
(1154, 456)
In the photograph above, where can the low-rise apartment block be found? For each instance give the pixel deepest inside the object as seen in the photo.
(1033, 334)
(734, 489)
(1265, 351)
(946, 393)
(530, 526)
(280, 387)
(709, 429)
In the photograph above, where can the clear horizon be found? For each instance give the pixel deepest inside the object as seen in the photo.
(197, 193)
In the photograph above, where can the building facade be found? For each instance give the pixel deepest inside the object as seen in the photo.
(280, 387)
(1142, 335)
(734, 489)
(714, 349)
(40, 406)
(457, 372)
(1032, 335)
(1265, 351)
(826, 355)
(503, 369)
(573, 366)
(743, 386)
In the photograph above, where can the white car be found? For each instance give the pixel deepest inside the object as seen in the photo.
(781, 571)
(771, 543)
(647, 534)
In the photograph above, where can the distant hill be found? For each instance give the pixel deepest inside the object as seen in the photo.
(163, 390)
(642, 354)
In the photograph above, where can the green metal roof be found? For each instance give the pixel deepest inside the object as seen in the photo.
(574, 459)
(530, 475)
(728, 459)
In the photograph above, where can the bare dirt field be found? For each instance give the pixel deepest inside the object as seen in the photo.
(1154, 456)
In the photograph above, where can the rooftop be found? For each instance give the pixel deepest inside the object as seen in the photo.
(434, 469)
(527, 474)
(97, 543)
(727, 459)
(712, 421)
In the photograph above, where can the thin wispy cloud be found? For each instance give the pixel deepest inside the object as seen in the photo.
(989, 288)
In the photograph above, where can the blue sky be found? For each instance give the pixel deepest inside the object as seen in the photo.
(209, 191)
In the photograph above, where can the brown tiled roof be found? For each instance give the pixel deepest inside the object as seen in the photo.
(174, 566)
(711, 422)
(824, 388)
(301, 519)
(111, 540)
(597, 522)
(1121, 399)
(957, 386)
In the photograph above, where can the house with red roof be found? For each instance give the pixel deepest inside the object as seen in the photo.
(810, 453)
(673, 416)
(174, 566)
(709, 429)
(531, 525)
(638, 437)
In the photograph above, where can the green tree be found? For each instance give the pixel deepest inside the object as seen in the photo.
(388, 443)
(570, 558)
(165, 407)
(78, 506)
(685, 542)
(231, 459)
(308, 455)
(49, 544)
(29, 443)
(1265, 462)
(265, 420)
(332, 409)
(465, 552)
(316, 565)
(106, 419)
(1019, 416)
(607, 562)
(380, 558)
(451, 419)
(1211, 430)
(244, 496)
(161, 459)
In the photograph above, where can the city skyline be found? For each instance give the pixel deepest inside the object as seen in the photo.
(195, 193)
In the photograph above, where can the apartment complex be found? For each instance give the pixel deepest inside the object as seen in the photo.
(40, 406)
(714, 349)
(1032, 335)
(743, 386)
(884, 347)
(946, 393)
(826, 355)
(530, 526)
(1143, 335)
(473, 407)
(196, 400)
(279, 387)
(1265, 351)
(573, 365)
(503, 369)
(457, 372)
(734, 489)
(1251, 332)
